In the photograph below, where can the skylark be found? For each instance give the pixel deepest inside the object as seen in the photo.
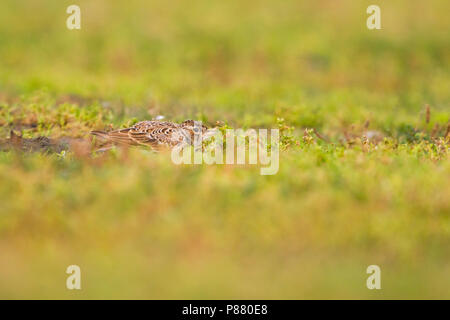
(155, 134)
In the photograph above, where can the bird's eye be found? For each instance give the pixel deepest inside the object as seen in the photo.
(196, 129)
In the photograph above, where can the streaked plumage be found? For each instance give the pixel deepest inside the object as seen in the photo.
(154, 134)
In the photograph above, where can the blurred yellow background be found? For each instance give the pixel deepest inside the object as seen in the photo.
(141, 227)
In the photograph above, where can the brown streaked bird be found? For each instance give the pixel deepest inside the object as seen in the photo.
(154, 133)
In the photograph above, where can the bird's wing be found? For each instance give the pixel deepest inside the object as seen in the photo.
(149, 133)
(166, 135)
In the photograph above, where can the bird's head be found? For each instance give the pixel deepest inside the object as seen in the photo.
(196, 127)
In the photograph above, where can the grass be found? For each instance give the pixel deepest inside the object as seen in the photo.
(142, 227)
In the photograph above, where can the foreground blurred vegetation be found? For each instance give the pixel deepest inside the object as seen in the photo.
(364, 168)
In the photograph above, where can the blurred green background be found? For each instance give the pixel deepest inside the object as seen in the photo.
(141, 227)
